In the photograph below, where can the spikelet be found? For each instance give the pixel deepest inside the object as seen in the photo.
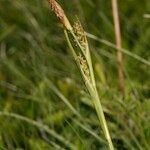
(84, 67)
(60, 14)
(80, 33)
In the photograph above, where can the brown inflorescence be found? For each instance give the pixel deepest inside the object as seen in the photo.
(60, 14)
(57, 9)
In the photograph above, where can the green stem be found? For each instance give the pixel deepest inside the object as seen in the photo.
(98, 105)
(70, 45)
(102, 119)
(91, 86)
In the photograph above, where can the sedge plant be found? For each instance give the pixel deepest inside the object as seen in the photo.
(81, 54)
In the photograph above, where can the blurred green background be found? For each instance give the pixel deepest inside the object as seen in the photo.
(43, 101)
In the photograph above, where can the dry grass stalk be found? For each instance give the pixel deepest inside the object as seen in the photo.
(118, 45)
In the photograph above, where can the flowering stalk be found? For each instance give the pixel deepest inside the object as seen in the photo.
(83, 60)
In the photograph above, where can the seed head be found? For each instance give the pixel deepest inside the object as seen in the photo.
(84, 66)
(56, 8)
(80, 33)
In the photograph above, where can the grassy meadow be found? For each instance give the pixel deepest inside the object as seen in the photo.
(44, 103)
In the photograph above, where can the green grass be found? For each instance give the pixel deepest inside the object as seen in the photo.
(43, 99)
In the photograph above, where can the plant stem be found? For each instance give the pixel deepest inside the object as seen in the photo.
(102, 119)
(91, 86)
(118, 45)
